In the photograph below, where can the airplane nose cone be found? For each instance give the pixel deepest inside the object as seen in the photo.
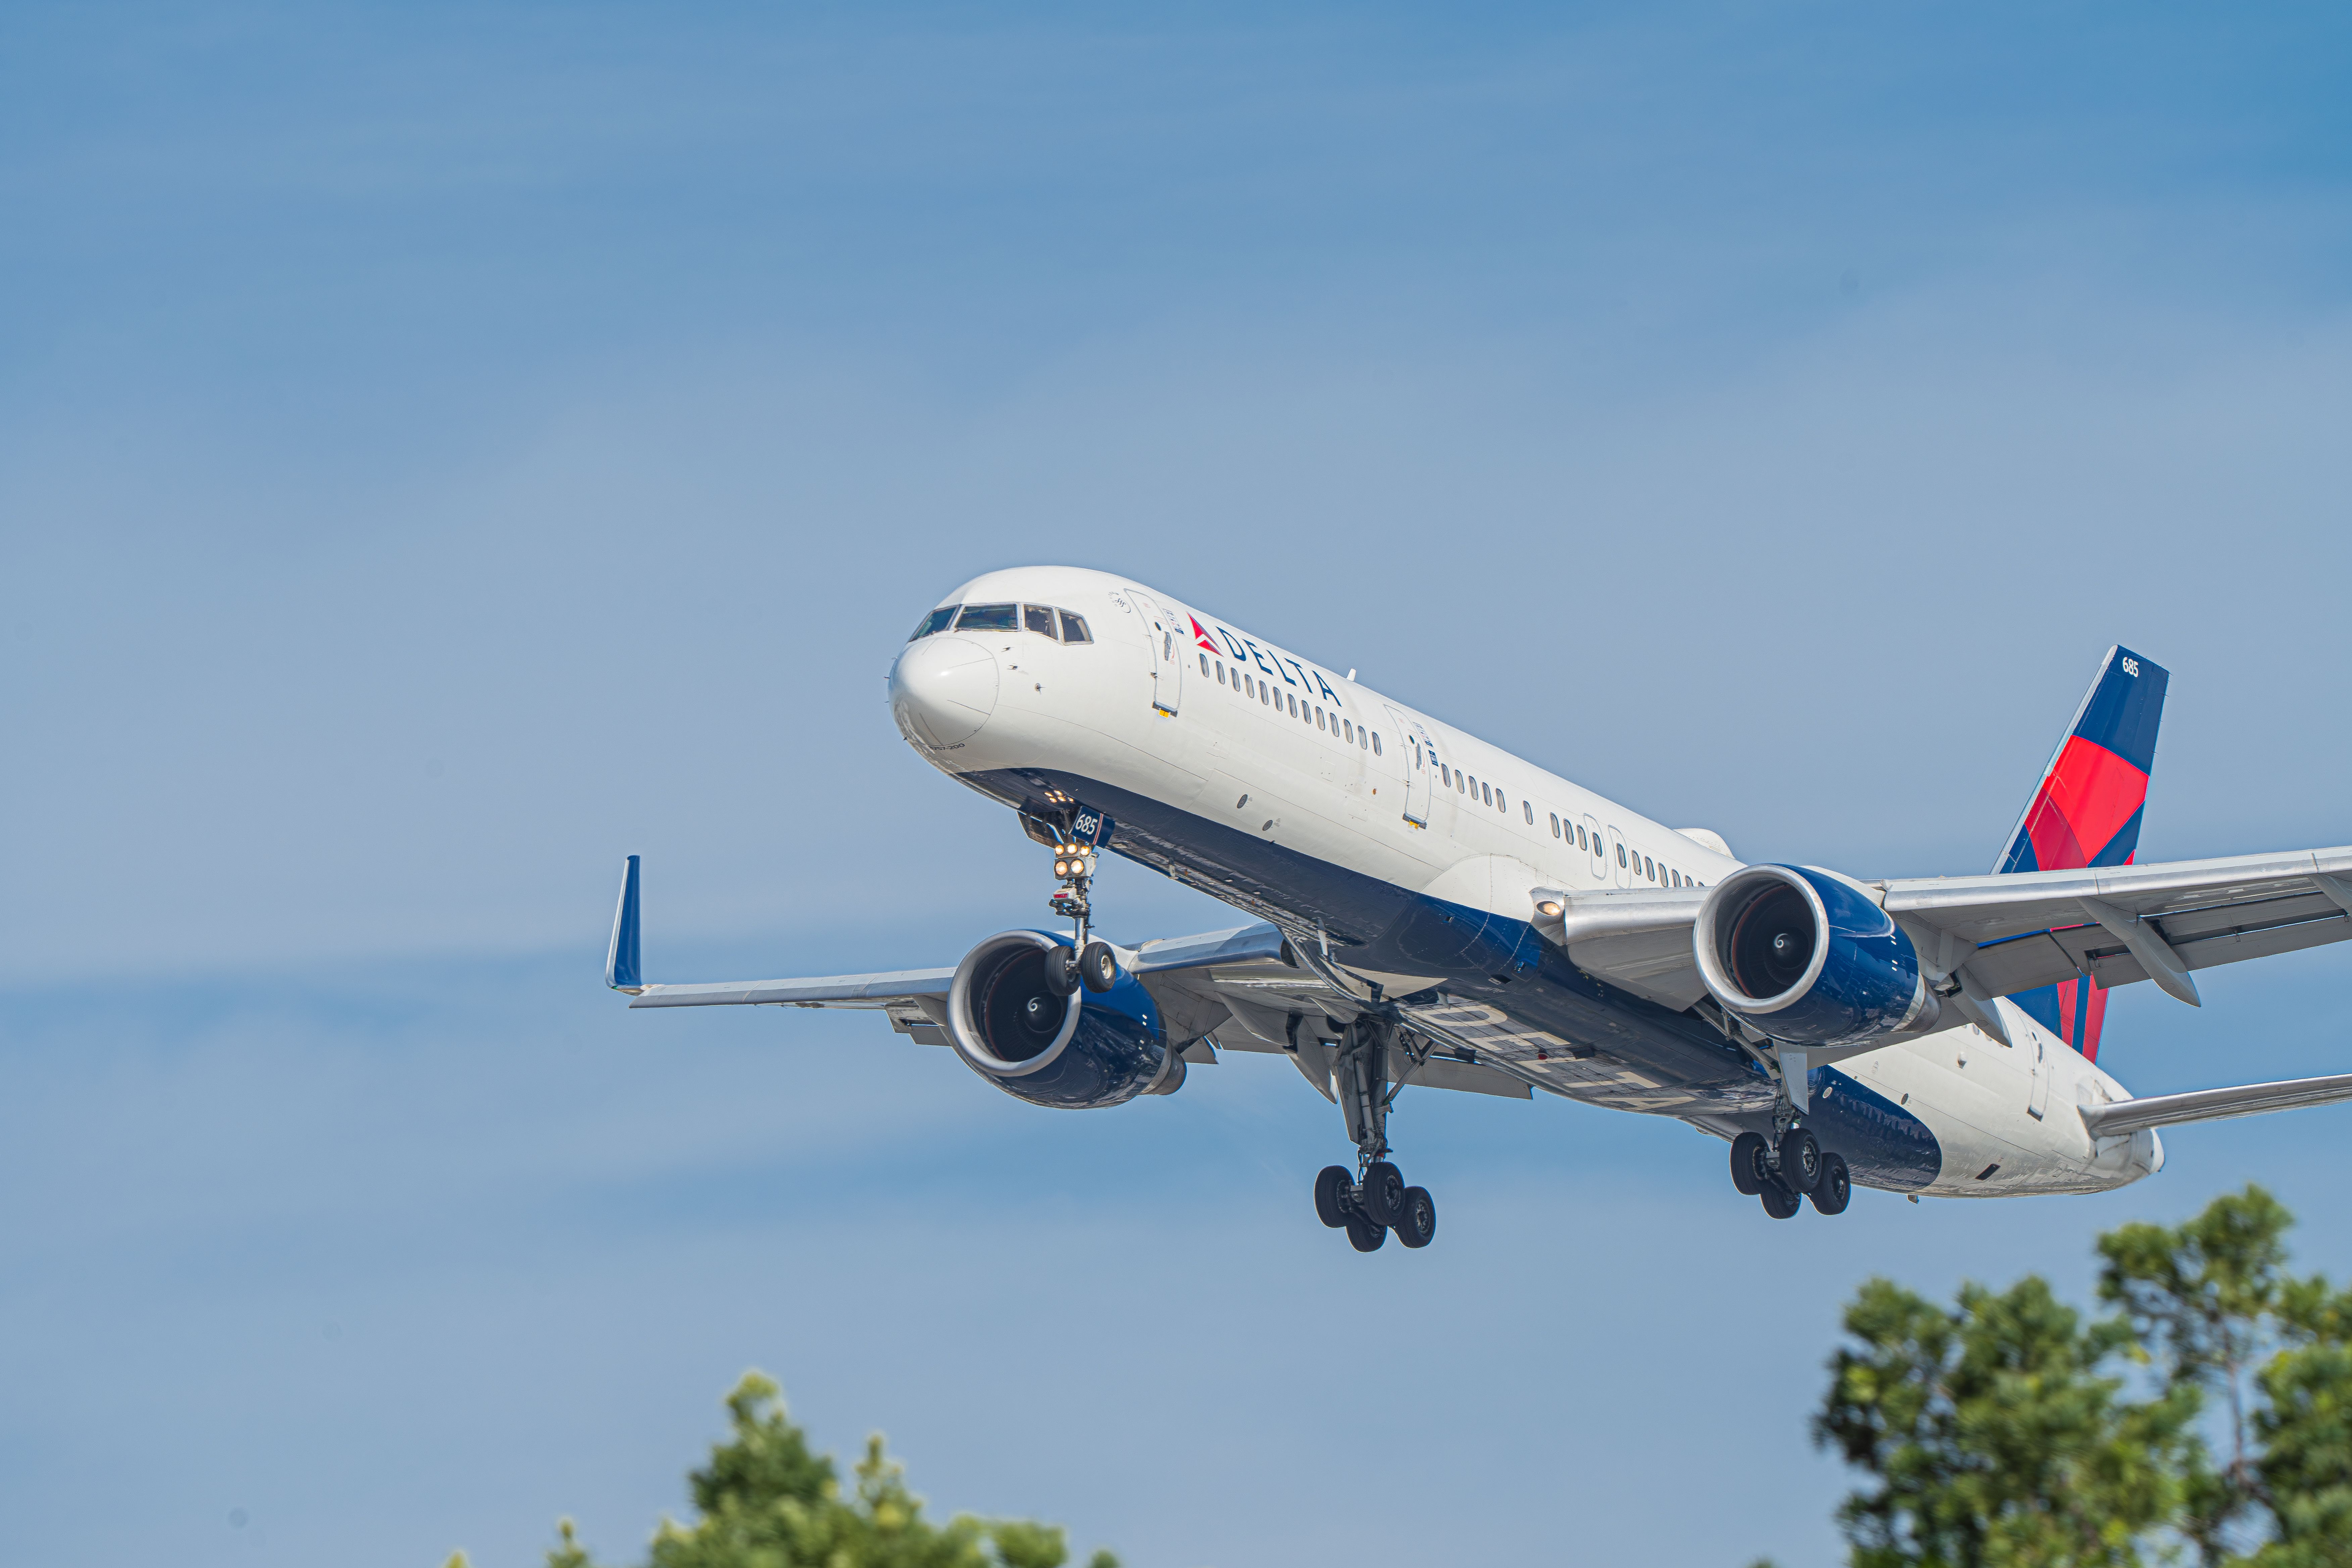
(942, 690)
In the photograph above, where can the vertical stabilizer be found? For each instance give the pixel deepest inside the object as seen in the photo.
(2086, 811)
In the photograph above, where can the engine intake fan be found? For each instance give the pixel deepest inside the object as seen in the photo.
(1808, 958)
(1075, 1052)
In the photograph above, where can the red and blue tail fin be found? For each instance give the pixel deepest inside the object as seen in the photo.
(2087, 812)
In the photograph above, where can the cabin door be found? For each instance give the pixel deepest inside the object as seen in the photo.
(1420, 768)
(1168, 651)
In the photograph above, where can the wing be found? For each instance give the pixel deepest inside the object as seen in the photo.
(2003, 934)
(1998, 935)
(1236, 988)
(2127, 1116)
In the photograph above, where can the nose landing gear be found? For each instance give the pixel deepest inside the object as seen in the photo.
(1085, 962)
(1375, 1200)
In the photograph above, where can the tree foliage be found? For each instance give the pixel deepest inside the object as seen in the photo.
(2209, 1415)
(765, 1501)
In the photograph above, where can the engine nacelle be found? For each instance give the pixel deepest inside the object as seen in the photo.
(1074, 1052)
(1808, 958)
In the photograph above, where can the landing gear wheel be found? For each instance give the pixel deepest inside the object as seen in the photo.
(1801, 1160)
(1097, 967)
(1334, 1195)
(1383, 1194)
(1751, 1162)
(1061, 971)
(1416, 1224)
(1780, 1201)
(1836, 1189)
(1363, 1234)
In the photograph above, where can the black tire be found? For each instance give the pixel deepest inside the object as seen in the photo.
(1335, 1195)
(1061, 971)
(1382, 1198)
(1801, 1160)
(1363, 1234)
(1780, 1201)
(1836, 1189)
(1097, 967)
(1751, 1162)
(1417, 1225)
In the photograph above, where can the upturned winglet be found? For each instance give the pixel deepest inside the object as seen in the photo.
(622, 968)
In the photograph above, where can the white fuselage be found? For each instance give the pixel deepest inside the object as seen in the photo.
(1175, 707)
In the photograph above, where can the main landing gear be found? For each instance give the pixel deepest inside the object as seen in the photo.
(1784, 1174)
(1375, 1200)
(1084, 963)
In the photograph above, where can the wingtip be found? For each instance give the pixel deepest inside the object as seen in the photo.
(624, 969)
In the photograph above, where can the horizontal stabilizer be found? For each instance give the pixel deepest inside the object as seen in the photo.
(2215, 1104)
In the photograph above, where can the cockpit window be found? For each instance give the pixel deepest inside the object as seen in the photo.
(1037, 618)
(1074, 628)
(939, 620)
(990, 618)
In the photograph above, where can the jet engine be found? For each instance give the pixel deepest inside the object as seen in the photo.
(1808, 958)
(1076, 1051)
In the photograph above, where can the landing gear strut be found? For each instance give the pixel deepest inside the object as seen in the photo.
(1375, 1200)
(1085, 962)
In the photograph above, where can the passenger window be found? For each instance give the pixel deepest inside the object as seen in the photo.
(1205, 664)
(1621, 854)
(1673, 878)
(1265, 693)
(1376, 742)
(939, 620)
(1486, 794)
(989, 618)
(1579, 838)
(1555, 823)
(1364, 738)
(1074, 628)
(1649, 869)
(1293, 700)
(1037, 618)
(1347, 730)
(1528, 808)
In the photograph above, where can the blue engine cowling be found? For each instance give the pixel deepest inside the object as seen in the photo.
(1809, 958)
(1072, 1052)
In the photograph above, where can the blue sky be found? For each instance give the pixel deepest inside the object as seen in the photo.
(443, 449)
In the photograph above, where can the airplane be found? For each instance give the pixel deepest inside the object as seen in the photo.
(1429, 910)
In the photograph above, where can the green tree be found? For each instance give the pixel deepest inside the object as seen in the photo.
(2202, 1299)
(1995, 1435)
(2002, 1430)
(765, 1501)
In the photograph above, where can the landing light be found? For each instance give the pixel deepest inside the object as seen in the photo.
(1550, 909)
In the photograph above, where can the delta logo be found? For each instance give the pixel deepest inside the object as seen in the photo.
(1243, 651)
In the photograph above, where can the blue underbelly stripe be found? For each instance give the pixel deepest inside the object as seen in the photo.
(1501, 985)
